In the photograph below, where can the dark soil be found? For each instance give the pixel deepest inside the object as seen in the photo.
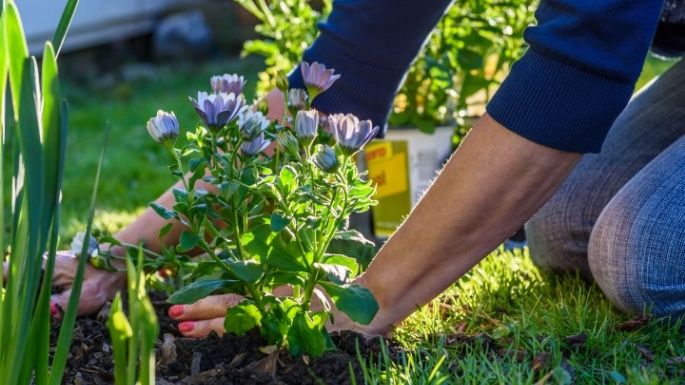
(226, 360)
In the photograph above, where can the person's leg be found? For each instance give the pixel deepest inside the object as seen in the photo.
(559, 233)
(637, 248)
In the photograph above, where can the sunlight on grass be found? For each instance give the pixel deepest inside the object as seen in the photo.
(507, 323)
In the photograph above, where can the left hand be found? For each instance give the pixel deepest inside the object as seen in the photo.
(207, 315)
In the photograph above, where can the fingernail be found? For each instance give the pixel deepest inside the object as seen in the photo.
(187, 326)
(176, 311)
(53, 309)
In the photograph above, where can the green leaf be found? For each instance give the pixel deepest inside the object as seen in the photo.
(120, 331)
(249, 271)
(162, 211)
(353, 244)
(306, 335)
(197, 290)
(279, 222)
(187, 242)
(64, 23)
(336, 273)
(242, 318)
(164, 231)
(354, 300)
(287, 180)
(342, 260)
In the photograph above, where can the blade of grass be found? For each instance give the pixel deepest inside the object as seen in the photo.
(63, 26)
(66, 331)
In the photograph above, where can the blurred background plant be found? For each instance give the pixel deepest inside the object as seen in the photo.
(451, 80)
(286, 29)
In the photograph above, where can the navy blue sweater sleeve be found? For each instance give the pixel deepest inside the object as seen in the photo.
(577, 76)
(579, 73)
(371, 43)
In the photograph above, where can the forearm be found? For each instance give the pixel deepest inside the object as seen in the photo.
(494, 183)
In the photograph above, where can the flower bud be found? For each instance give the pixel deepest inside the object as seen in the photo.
(163, 127)
(282, 81)
(288, 142)
(325, 159)
(306, 126)
(252, 123)
(254, 147)
(297, 98)
(228, 84)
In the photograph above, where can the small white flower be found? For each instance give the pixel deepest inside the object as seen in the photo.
(77, 245)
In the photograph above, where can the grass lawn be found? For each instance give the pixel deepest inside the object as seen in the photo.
(503, 323)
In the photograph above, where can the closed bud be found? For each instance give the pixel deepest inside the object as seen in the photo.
(325, 159)
(163, 127)
(288, 142)
(306, 126)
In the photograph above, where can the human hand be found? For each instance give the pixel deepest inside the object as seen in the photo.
(199, 319)
(99, 286)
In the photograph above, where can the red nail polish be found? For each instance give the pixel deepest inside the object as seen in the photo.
(185, 327)
(53, 309)
(176, 311)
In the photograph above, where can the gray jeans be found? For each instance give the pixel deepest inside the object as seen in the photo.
(620, 217)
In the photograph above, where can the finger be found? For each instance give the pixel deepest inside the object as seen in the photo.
(207, 308)
(66, 266)
(92, 299)
(198, 329)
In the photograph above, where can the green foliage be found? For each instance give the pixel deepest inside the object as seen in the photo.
(133, 338)
(268, 220)
(465, 58)
(463, 62)
(36, 148)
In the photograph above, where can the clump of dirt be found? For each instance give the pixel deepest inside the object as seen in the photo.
(215, 360)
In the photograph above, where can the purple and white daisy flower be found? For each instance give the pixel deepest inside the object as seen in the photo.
(255, 146)
(317, 78)
(228, 84)
(350, 133)
(217, 110)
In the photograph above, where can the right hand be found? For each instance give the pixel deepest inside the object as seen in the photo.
(99, 286)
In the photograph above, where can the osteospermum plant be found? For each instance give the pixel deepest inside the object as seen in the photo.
(263, 202)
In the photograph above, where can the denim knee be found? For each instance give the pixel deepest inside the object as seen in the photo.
(637, 260)
(555, 238)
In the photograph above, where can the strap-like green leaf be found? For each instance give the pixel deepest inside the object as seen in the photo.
(66, 331)
(64, 23)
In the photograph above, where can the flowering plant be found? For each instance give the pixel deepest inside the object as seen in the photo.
(264, 201)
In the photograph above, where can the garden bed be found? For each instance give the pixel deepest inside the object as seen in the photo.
(225, 360)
